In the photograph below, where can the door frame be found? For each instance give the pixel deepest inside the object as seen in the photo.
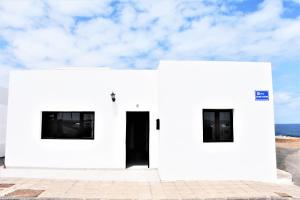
(148, 142)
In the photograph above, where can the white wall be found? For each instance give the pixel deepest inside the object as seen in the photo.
(185, 88)
(34, 91)
(3, 109)
(3, 112)
(180, 93)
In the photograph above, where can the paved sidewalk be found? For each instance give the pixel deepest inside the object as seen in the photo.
(53, 189)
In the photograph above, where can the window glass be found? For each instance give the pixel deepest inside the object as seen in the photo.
(217, 125)
(225, 126)
(209, 126)
(67, 125)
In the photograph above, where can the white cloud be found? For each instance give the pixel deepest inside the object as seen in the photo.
(79, 7)
(138, 33)
(296, 1)
(20, 14)
(120, 34)
(36, 47)
(282, 97)
(287, 107)
(289, 99)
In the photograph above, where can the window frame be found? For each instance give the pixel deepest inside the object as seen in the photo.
(58, 138)
(217, 120)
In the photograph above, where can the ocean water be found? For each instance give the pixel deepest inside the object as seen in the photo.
(287, 129)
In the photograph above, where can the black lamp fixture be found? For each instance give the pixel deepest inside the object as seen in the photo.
(113, 96)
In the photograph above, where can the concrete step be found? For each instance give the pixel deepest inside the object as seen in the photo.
(284, 177)
(140, 174)
(149, 175)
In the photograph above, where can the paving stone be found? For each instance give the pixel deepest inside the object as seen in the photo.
(24, 193)
(194, 190)
(6, 185)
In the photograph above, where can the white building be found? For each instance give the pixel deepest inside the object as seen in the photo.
(3, 110)
(190, 120)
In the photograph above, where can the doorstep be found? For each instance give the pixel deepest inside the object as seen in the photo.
(132, 174)
(137, 174)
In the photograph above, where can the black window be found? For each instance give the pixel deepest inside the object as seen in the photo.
(217, 125)
(68, 125)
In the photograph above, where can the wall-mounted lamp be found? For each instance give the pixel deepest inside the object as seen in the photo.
(113, 96)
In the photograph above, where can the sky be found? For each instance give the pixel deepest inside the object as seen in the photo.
(138, 33)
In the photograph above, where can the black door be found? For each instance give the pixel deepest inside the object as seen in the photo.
(137, 138)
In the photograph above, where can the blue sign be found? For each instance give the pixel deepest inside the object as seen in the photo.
(261, 95)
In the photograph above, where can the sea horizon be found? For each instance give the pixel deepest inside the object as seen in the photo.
(292, 129)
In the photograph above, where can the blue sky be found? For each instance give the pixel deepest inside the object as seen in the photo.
(137, 34)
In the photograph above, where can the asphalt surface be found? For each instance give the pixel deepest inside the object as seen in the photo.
(288, 159)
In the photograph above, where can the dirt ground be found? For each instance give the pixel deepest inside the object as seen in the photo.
(288, 142)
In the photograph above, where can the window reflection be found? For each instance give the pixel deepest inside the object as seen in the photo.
(217, 125)
(68, 125)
